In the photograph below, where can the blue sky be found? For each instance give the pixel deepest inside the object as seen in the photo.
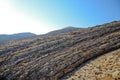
(42, 16)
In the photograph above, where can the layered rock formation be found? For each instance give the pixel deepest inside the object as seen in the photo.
(52, 57)
(105, 67)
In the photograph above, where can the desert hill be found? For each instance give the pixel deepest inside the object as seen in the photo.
(53, 57)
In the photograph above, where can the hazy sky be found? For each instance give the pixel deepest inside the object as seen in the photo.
(41, 16)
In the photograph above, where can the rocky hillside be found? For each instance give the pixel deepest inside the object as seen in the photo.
(105, 67)
(52, 57)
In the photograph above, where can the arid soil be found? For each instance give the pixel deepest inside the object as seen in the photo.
(105, 67)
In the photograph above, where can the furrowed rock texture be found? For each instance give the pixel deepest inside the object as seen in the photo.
(52, 57)
(105, 67)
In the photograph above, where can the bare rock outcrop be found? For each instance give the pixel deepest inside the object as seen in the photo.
(52, 57)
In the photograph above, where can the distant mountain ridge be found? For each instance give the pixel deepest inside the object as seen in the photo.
(62, 31)
(5, 37)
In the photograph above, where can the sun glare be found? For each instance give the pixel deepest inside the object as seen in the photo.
(13, 21)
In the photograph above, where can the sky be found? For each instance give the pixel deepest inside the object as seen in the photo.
(42, 16)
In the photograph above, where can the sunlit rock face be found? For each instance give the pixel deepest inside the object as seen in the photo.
(105, 67)
(52, 57)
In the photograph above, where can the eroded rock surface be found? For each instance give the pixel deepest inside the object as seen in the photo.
(105, 67)
(52, 57)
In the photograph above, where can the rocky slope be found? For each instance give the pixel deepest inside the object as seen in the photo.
(52, 57)
(105, 67)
